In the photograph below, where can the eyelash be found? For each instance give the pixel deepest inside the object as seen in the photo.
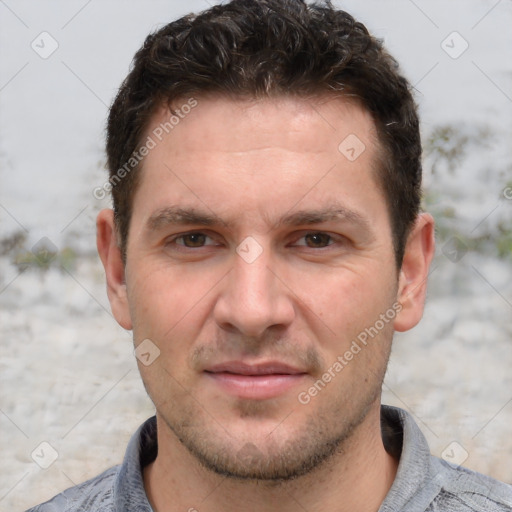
(182, 247)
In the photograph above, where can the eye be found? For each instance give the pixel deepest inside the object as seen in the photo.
(315, 240)
(192, 240)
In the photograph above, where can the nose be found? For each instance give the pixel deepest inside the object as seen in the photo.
(254, 299)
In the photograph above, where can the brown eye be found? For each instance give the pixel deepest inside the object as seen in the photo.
(192, 240)
(316, 240)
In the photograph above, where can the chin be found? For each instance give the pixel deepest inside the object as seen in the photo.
(277, 454)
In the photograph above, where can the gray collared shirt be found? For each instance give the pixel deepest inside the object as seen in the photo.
(423, 483)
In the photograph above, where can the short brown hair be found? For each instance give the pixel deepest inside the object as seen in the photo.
(260, 48)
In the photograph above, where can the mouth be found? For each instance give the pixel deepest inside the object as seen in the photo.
(260, 381)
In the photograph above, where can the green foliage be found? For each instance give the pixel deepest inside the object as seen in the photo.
(67, 258)
(41, 257)
(445, 148)
(449, 144)
(504, 240)
(445, 216)
(12, 242)
(44, 258)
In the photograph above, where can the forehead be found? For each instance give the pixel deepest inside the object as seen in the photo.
(260, 156)
(309, 124)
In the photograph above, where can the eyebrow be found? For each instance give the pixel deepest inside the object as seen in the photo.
(331, 213)
(184, 216)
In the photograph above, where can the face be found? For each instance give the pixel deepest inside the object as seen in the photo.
(260, 266)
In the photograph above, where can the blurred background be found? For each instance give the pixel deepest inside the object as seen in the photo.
(70, 393)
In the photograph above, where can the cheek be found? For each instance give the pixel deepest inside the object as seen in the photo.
(346, 299)
(167, 303)
(351, 308)
(166, 312)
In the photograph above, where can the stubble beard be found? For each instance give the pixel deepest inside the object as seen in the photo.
(276, 458)
(326, 433)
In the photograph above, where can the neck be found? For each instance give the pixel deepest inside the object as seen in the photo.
(357, 477)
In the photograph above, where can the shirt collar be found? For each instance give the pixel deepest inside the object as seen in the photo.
(417, 481)
(129, 492)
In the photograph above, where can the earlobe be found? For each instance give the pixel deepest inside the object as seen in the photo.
(110, 254)
(412, 285)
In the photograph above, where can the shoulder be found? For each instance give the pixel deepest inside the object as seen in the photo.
(95, 495)
(118, 488)
(463, 490)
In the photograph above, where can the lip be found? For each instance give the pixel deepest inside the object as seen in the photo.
(259, 381)
(261, 368)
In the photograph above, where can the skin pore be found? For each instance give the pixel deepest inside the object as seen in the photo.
(256, 246)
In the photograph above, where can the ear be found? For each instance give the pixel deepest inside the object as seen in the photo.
(412, 284)
(110, 254)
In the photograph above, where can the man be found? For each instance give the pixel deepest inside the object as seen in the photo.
(265, 243)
